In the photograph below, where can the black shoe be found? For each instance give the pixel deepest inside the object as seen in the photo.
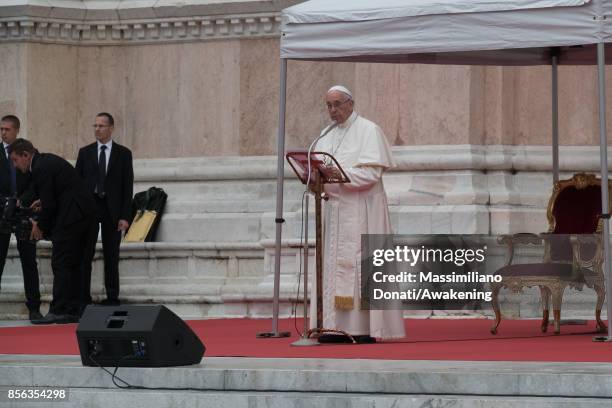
(51, 318)
(341, 338)
(365, 339)
(110, 302)
(35, 315)
(334, 338)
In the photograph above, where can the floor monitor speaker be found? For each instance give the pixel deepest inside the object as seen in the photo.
(136, 336)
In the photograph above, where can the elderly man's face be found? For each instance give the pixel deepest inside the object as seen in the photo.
(339, 106)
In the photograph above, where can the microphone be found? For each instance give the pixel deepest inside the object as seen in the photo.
(314, 142)
(323, 134)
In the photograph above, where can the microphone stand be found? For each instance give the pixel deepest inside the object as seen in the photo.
(317, 190)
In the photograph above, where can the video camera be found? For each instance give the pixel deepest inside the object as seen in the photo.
(15, 219)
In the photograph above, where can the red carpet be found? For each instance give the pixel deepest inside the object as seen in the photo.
(465, 339)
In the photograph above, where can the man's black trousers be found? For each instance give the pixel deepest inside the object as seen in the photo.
(27, 255)
(111, 240)
(66, 259)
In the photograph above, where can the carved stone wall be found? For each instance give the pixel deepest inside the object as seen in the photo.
(169, 30)
(189, 79)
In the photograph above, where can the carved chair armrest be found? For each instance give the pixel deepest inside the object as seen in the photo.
(523, 238)
(579, 242)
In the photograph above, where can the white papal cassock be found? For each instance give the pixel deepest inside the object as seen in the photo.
(355, 208)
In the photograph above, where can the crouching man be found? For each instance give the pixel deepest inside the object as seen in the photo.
(66, 217)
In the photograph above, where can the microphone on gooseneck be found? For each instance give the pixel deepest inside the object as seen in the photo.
(323, 133)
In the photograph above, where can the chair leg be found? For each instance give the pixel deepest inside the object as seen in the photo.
(545, 295)
(544, 326)
(495, 306)
(557, 317)
(601, 326)
(557, 298)
(601, 295)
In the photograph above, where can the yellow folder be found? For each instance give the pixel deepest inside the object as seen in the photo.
(140, 226)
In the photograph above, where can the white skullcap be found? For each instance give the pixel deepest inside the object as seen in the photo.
(342, 89)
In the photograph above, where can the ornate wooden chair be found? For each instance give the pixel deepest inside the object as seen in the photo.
(572, 251)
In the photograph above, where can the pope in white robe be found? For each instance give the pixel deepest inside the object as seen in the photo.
(355, 208)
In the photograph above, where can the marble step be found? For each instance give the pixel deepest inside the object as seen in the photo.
(223, 279)
(94, 398)
(495, 378)
(250, 382)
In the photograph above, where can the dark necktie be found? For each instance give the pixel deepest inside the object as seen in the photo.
(12, 172)
(101, 171)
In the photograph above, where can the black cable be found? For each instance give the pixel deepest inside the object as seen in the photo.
(128, 386)
(114, 375)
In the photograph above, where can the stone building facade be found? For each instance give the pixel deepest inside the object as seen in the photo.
(193, 86)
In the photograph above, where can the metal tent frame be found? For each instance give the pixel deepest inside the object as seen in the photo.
(585, 46)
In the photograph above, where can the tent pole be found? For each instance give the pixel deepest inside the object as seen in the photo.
(603, 151)
(555, 119)
(280, 176)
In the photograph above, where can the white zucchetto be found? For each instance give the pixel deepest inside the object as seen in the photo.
(342, 89)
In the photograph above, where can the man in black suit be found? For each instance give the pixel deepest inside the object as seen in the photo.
(17, 184)
(66, 217)
(106, 167)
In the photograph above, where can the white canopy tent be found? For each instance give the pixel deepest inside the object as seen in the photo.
(464, 32)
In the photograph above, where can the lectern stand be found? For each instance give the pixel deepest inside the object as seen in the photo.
(315, 169)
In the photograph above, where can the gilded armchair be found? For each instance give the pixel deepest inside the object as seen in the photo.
(572, 251)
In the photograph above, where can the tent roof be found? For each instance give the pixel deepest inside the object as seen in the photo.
(323, 11)
(446, 31)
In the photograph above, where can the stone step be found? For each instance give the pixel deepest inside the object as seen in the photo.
(250, 382)
(216, 279)
(94, 398)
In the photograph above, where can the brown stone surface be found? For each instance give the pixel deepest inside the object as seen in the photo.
(102, 88)
(307, 84)
(182, 100)
(258, 109)
(13, 77)
(52, 106)
(221, 98)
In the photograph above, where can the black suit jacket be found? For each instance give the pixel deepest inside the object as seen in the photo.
(119, 182)
(25, 190)
(65, 200)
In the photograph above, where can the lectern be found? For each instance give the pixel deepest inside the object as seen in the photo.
(315, 169)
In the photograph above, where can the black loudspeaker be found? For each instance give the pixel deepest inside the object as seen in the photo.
(136, 336)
